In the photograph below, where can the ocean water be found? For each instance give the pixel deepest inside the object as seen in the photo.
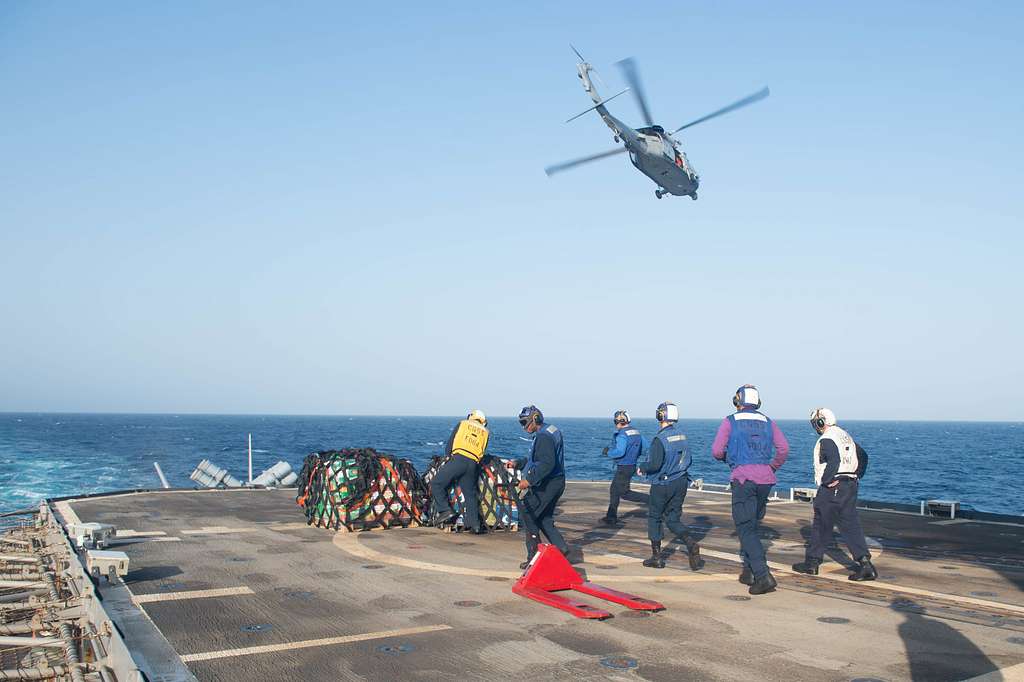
(44, 455)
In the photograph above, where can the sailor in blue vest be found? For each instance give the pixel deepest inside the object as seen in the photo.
(666, 468)
(627, 447)
(754, 448)
(543, 483)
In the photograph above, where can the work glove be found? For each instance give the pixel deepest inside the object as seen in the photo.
(605, 452)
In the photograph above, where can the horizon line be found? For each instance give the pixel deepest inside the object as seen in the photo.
(448, 416)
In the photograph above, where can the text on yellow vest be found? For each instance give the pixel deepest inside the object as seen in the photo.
(470, 440)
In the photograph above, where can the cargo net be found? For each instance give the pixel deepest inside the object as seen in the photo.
(496, 493)
(359, 489)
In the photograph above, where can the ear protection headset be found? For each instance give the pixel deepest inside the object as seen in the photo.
(530, 414)
(739, 399)
(621, 417)
(822, 417)
(817, 421)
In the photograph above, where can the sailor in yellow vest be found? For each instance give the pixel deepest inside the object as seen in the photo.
(466, 447)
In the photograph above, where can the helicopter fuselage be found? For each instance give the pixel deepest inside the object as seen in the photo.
(656, 156)
(652, 151)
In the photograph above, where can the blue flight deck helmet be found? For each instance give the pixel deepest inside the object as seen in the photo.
(621, 417)
(530, 413)
(747, 396)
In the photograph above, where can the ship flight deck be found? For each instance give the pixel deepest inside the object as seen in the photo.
(233, 585)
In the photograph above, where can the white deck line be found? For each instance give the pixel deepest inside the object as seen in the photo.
(309, 643)
(218, 530)
(191, 594)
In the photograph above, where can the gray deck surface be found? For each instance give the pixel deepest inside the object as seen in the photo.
(949, 605)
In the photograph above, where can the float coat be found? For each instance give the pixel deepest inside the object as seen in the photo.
(627, 446)
(750, 439)
(849, 463)
(677, 459)
(470, 440)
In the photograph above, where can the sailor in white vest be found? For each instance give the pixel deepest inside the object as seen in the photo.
(839, 464)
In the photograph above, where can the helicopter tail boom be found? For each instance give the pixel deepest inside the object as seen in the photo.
(600, 103)
(584, 70)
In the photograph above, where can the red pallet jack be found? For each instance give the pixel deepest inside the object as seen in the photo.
(549, 572)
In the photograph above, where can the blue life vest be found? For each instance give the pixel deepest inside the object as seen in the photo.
(750, 441)
(634, 445)
(552, 432)
(677, 456)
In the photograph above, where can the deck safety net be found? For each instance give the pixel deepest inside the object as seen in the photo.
(359, 489)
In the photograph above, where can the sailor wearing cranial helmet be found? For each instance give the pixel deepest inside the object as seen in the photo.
(754, 448)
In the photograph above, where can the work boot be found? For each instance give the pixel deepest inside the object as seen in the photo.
(808, 566)
(865, 571)
(655, 561)
(609, 521)
(532, 545)
(746, 576)
(693, 549)
(574, 555)
(480, 530)
(763, 585)
(443, 518)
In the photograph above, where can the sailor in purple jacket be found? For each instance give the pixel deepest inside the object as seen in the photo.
(754, 448)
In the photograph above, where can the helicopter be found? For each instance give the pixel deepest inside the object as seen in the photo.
(654, 152)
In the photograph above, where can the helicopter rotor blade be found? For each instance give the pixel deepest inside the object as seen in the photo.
(738, 104)
(632, 75)
(559, 167)
(577, 53)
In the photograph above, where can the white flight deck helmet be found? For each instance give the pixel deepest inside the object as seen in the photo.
(822, 418)
(667, 412)
(747, 395)
(478, 417)
(621, 417)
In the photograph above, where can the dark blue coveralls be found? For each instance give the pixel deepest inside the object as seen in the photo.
(545, 470)
(838, 504)
(667, 465)
(627, 448)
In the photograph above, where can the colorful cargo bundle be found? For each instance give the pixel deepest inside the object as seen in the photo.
(359, 489)
(496, 493)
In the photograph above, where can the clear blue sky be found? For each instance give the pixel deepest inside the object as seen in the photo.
(341, 208)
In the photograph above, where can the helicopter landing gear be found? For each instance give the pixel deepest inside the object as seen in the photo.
(694, 196)
(659, 193)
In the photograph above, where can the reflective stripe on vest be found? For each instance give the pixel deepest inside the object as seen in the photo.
(677, 456)
(634, 446)
(848, 461)
(470, 440)
(750, 440)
